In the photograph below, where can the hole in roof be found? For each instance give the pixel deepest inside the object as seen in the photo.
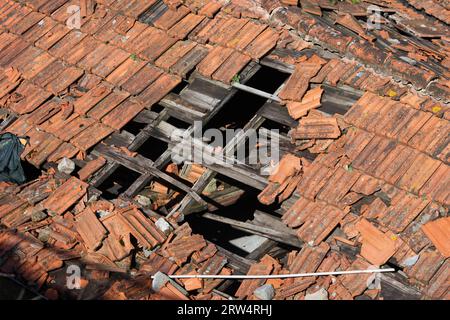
(337, 100)
(157, 108)
(241, 210)
(273, 125)
(152, 148)
(134, 127)
(237, 112)
(162, 195)
(267, 79)
(178, 123)
(118, 182)
(31, 172)
(183, 84)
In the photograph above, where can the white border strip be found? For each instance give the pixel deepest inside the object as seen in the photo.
(278, 276)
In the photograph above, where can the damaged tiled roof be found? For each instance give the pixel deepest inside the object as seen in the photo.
(98, 234)
(374, 189)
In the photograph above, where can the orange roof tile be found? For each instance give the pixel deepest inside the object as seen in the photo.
(438, 232)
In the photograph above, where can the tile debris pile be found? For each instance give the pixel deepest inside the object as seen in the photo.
(41, 238)
(365, 182)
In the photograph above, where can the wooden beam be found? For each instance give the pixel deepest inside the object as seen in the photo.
(257, 92)
(143, 165)
(255, 229)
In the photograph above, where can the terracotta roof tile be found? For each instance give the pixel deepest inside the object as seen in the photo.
(100, 17)
(338, 186)
(428, 264)
(80, 50)
(418, 174)
(138, 42)
(298, 82)
(107, 104)
(241, 39)
(206, 29)
(86, 102)
(110, 62)
(157, 90)
(91, 136)
(404, 209)
(142, 79)
(377, 247)
(100, 52)
(66, 195)
(216, 57)
(437, 231)
(50, 73)
(185, 26)
(109, 30)
(320, 224)
(169, 18)
(8, 54)
(6, 39)
(210, 8)
(65, 150)
(374, 154)
(44, 150)
(64, 80)
(330, 37)
(39, 29)
(396, 163)
(311, 100)
(90, 168)
(187, 63)
(36, 65)
(314, 178)
(356, 284)
(431, 136)
(122, 114)
(175, 53)
(136, 30)
(262, 44)
(438, 287)
(308, 259)
(58, 121)
(50, 6)
(265, 267)
(231, 67)
(27, 22)
(136, 8)
(316, 128)
(90, 229)
(51, 37)
(125, 71)
(73, 127)
(33, 97)
(161, 42)
(25, 57)
(437, 187)
(227, 30)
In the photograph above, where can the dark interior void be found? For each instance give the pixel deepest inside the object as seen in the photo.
(152, 148)
(267, 79)
(134, 127)
(31, 172)
(118, 182)
(243, 210)
(243, 106)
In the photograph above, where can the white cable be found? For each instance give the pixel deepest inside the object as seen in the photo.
(277, 276)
